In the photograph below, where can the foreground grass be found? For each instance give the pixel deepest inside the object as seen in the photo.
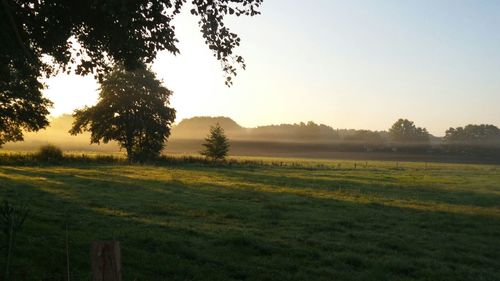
(313, 221)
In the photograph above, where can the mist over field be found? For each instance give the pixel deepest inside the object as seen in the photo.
(196, 129)
(309, 140)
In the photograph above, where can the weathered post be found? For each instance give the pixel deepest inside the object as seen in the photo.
(105, 258)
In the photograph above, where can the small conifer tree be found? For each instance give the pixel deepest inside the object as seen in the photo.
(216, 144)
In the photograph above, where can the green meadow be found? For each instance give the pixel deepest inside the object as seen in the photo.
(275, 220)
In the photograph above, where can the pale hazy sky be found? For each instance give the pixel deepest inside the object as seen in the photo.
(348, 64)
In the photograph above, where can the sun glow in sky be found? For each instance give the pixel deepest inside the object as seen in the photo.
(349, 64)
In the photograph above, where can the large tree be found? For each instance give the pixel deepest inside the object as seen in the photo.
(133, 109)
(41, 38)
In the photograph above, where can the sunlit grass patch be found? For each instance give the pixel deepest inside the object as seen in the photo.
(262, 221)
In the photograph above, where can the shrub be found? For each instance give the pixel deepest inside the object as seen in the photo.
(49, 153)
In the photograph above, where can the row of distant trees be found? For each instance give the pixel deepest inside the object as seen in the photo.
(403, 135)
(473, 139)
(470, 139)
(406, 136)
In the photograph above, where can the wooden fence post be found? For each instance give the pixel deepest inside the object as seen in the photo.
(105, 258)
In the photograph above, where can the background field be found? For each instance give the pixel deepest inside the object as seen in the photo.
(309, 220)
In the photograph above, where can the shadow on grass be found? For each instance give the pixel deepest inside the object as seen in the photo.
(390, 189)
(182, 229)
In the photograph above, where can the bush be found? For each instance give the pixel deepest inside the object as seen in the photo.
(49, 153)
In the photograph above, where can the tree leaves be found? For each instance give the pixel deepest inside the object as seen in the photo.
(133, 109)
(405, 131)
(108, 32)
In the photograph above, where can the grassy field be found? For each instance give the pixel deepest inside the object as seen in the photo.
(307, 221)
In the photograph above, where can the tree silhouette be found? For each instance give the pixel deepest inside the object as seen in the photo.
(22, 107)
(42, 38)
(472, 138)
(216, 144)
(404, 132)
(133, 109)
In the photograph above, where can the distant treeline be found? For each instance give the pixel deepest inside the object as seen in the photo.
(310, 132)
(402, 137)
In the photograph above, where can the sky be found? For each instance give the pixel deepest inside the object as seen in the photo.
(358, 64)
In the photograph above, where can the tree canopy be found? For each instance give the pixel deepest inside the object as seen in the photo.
(404, 131)
(41, 38)
(22, 106)
(133, 109)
